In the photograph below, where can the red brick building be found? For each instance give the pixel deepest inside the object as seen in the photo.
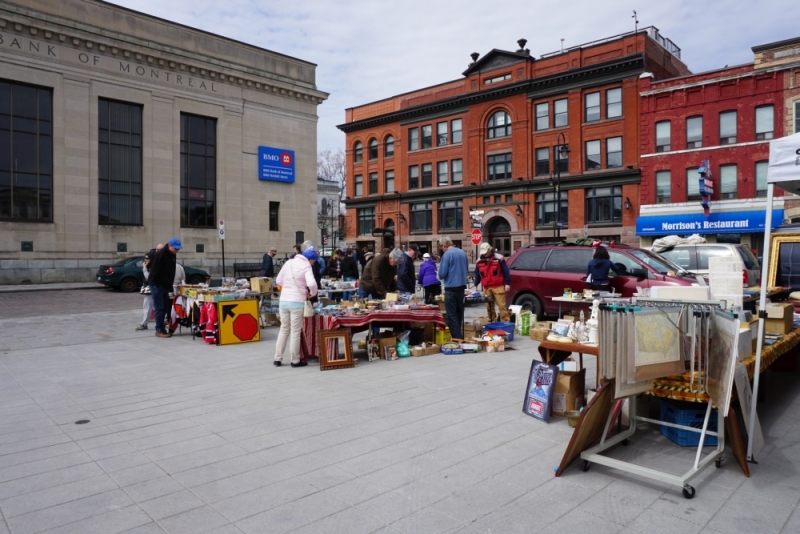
(419, 162)
(726, 117)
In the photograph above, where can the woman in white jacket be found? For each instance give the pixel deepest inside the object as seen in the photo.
(297, 283)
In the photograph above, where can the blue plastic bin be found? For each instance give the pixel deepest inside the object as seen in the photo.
(674, 413)
(506, 327)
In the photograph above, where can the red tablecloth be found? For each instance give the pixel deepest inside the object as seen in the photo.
(359, 323)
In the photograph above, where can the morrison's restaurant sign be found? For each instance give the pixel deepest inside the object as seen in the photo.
(106, 62)
(724, 222)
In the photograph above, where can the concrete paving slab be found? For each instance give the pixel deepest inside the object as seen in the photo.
(216, 439)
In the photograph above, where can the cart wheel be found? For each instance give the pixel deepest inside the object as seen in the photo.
(626, 442)
(718, 462)
(586, 465)
(688, 492)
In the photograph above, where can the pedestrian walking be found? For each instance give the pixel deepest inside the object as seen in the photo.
(147, 304)
(267, 265)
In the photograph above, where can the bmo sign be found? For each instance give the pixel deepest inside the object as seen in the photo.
(276, 164)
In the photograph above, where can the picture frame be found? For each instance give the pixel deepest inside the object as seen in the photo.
(779, 241)
(335, 349)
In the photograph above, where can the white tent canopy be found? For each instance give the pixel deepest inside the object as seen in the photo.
(784, 172)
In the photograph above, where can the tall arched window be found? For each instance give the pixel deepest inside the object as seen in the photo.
(499, 125)
(388, 146)
(373, 148)
(358, 152)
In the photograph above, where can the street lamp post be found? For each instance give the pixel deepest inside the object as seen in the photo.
(561, 152)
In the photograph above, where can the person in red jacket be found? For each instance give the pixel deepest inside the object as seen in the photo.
(492, 273)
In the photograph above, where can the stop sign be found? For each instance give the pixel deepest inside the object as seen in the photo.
(476, 237)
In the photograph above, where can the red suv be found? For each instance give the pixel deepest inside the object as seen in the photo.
(540, 272)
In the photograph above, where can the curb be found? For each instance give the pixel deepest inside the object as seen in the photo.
(45, 287)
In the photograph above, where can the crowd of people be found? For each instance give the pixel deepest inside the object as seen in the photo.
(300, 278)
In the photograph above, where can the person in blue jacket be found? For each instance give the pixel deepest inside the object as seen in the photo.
(597, 270)
(453, 274)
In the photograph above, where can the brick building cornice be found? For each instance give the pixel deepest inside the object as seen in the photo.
(599, 73)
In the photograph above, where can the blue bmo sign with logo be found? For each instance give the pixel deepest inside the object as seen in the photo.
(276, 164)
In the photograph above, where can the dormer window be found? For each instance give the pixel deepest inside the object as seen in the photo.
(497, 79)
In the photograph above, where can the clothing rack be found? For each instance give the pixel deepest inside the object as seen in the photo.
(700, 310)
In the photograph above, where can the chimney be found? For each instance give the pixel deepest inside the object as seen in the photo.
(474, 57)
(522, 50)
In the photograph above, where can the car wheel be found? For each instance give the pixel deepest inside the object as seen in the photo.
(196, 279)
(129, 285)
(530, 302)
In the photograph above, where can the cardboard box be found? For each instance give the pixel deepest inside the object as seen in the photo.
(569, 390)
(780, 318)
(261, 284)
(427, 351)
(541, 331)
(386, 342)
(472, 331)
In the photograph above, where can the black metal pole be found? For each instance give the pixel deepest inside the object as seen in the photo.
(223, 258)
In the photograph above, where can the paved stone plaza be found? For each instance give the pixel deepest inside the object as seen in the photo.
(189, 438)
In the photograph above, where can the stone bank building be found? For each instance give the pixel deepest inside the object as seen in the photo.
(119, 130)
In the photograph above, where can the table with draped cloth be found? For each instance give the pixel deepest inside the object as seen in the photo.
(359, 323)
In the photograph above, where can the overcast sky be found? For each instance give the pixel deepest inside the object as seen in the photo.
(369, 50)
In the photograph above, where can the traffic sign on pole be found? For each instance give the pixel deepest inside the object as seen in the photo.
(477, 225)
(476, 237)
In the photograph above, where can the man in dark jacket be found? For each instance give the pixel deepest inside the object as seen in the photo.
(162, 276)
(267, 268)
(378, 276)
(406, 277)
(349, 270)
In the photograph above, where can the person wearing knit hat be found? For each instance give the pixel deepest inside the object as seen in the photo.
(428, 279)
(297, 283)
(311, 255)
(491, 271)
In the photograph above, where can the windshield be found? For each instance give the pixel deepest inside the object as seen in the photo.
(659, 263)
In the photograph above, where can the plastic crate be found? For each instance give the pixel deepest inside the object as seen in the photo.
(505, 327)
(680, 415)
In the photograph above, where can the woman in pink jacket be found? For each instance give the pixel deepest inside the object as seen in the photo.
(296, 279)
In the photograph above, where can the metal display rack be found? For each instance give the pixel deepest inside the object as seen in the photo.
(594, 454)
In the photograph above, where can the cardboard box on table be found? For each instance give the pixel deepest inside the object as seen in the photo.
(541, 331)
(569, 389)
(780, 318)
(261, 284)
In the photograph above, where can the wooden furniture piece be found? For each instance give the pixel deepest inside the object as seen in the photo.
(555, 353)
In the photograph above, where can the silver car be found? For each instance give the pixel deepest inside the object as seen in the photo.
(694, 258)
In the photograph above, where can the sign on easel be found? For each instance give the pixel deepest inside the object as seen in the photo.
(540, 390)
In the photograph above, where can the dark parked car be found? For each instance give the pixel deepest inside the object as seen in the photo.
(127, 274)
(540, 272)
